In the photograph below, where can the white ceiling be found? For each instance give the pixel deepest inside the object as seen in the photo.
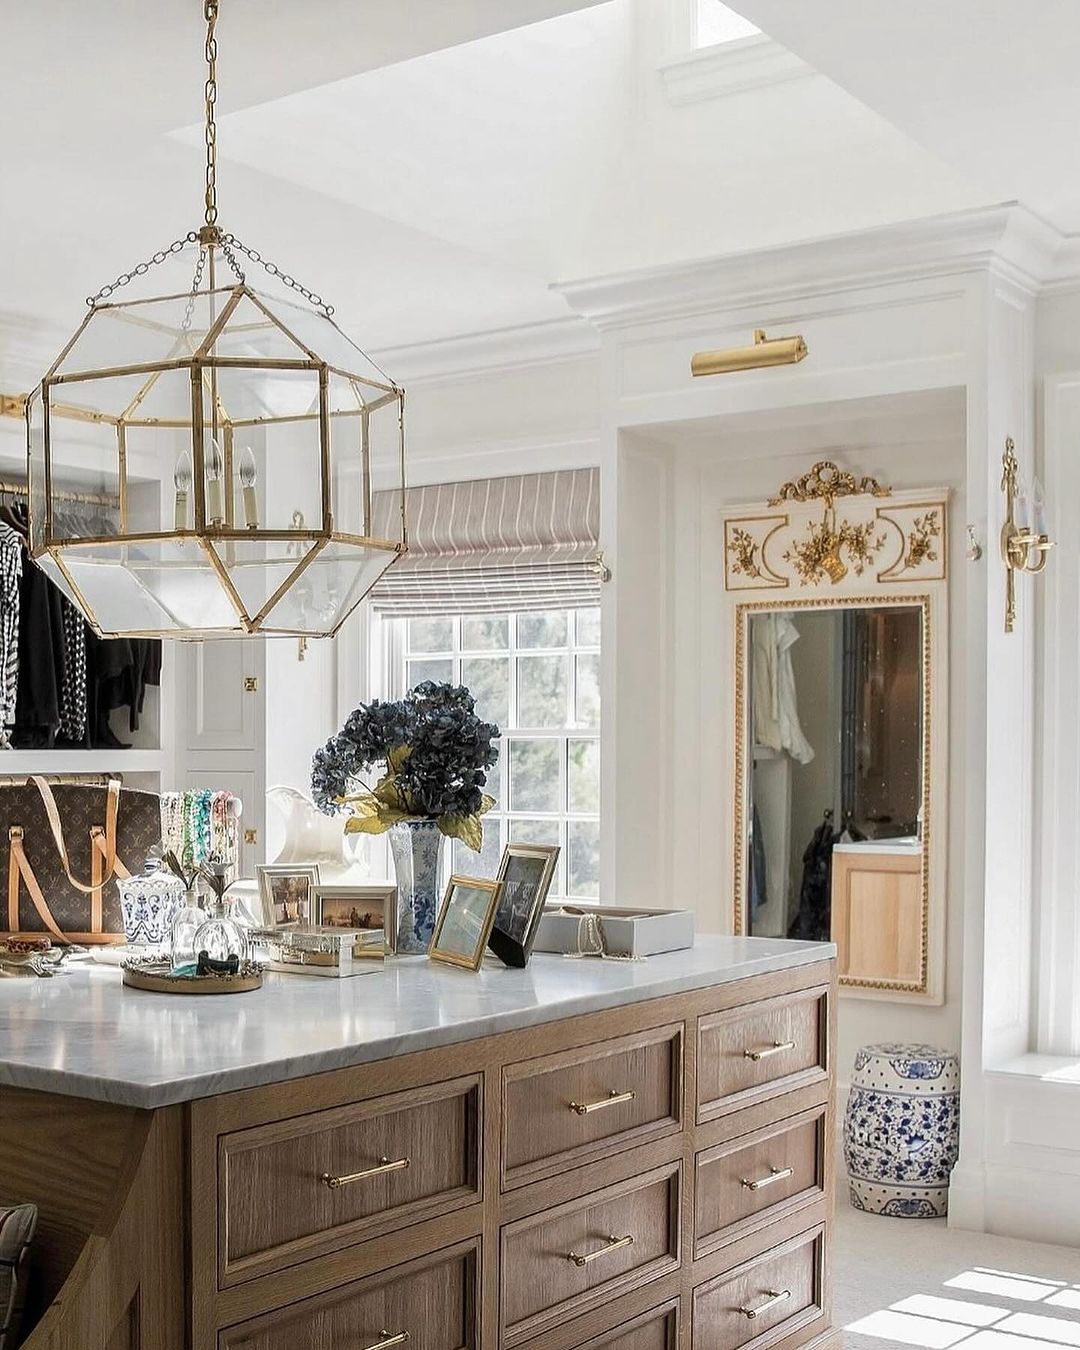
(990, 89)
(431, 166)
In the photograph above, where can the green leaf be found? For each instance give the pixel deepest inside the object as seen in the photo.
(486, 803)
(397, 757)
(388, 792)
(466, 828)
(364, 804)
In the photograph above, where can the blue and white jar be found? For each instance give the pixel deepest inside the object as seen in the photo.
(416, 846)
(902, 1130)
(149, 904)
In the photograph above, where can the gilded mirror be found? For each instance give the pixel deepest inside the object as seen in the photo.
(837, 593)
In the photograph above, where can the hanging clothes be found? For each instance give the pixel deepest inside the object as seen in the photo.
(773, 698)
(11, 564)
(73, 725)
(813, 919)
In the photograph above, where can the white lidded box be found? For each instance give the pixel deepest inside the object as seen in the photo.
(624, 932)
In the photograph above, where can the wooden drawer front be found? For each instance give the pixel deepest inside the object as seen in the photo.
(567, 1109)
(765, 1300)
(562, 1262)
(431, 1304)
(654, 1330)
(759, 1050)
(400, 1159)
(745, 1183)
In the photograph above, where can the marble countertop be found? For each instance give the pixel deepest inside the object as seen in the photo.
(86, 1035)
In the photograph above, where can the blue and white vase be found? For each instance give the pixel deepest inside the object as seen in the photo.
(417, 847)
(149, 904)
(902, 1130)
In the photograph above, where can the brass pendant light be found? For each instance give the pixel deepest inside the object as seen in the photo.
(233, 440)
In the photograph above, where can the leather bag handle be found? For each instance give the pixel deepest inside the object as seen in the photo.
(112, 807)
(19, 866)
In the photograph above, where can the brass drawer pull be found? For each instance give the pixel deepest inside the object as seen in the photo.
(387, 1339)
(613, 1245)
(614, 1098)
(777, 1048)
(775, 1296)
(334, 1183)
(775, 1174)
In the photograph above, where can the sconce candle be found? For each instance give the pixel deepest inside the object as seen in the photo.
(215, 469)
(247, 481)
(182, 478)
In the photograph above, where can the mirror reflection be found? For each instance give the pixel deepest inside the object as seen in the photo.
(834, 716)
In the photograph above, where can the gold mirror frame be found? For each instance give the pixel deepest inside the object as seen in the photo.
(832, 541)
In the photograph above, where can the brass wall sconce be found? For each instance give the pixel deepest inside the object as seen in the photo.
(765, 351)
(1024, 541)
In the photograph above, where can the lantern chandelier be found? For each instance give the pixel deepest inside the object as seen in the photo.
(238, 447)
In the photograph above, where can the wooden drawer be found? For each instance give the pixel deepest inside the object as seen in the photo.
(430, 1304)
(298, 1187)
(567, 1109)
(657, 1329)
(765, 1300)
(744, 1184)
(561, 1262)
(761, 1049)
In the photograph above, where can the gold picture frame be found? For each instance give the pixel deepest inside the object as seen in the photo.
(354, 906)
(465, 920)
(526, 872)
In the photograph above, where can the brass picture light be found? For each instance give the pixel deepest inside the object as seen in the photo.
(764, 351)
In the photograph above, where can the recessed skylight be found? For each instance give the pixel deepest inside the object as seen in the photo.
(715, 23)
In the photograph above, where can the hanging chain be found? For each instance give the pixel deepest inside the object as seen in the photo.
(196, 282)
(210, 13)
(210, 236)
(159, 257)
(256, 257)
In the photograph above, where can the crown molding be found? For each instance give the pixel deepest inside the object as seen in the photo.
(753, 62)
(501, 349)
(1005, 239)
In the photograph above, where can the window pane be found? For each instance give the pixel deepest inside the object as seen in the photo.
(534, 776)
(587, 694)
(439, 671)
(543, 629)
(587, 631)
(488, 680)
(583, 776)
(583, 871)
(485, 634)
(534, 831)
(541, 691)
(431, 635)
(485, 863)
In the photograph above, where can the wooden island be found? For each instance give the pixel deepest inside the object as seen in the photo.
(581, 1155)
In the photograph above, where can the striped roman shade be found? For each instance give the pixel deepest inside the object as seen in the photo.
(494, 545)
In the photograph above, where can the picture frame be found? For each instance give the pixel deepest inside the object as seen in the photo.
(287, 893)
(357, 907)
(464, 923)
(526, 872)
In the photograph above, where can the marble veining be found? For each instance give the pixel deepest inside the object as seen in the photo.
(86, 1035)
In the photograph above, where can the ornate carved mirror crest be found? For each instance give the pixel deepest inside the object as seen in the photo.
(828, 526)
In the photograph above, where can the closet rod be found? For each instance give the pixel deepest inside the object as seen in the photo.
(86, 498)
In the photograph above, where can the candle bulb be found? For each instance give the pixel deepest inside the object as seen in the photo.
(1038, 509)
(215, 468)
(247, 480)
(182, 478)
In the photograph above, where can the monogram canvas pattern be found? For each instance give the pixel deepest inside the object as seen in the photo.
(82, 808)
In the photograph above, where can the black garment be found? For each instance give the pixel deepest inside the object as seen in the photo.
(41, 660)
(118, 671)
(812, 921)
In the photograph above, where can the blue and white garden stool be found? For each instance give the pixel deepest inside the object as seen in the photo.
(902, 1130)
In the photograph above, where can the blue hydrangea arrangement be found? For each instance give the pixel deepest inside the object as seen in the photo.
(434, 753)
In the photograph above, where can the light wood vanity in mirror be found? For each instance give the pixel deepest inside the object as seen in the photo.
(837, 590)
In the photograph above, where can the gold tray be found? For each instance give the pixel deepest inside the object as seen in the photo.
(156, 978)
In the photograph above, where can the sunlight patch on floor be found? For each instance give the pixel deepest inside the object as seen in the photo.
(935, 1321)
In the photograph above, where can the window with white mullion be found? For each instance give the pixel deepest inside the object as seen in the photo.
(536, 674)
